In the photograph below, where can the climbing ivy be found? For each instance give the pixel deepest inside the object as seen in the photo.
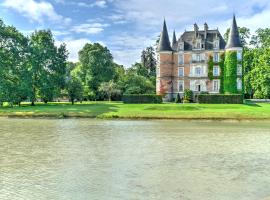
(230, 75)
(210, 67)
(221, 76)
(221, 68)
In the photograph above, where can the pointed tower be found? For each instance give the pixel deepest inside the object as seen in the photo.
(165, 65)
(233, 72)
(174, 42)
(234, 38)
(164, 41)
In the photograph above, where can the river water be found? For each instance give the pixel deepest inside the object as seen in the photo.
(85, 159)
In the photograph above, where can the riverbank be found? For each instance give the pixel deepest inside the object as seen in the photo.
(109, 110)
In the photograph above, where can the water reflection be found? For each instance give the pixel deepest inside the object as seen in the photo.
(95, 159)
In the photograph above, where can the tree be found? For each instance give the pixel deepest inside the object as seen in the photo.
(48, 66)
(96, 66)
(244, 34)
(178, 99)
(259, 75)
(110, 89)
(149, 61)
(261, 39)
(75, 89)
(13, 65)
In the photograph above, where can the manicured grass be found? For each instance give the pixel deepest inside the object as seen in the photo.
(141, 111)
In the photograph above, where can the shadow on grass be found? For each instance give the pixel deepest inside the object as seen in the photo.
(177, 107)
(253, 104)
(62, 110)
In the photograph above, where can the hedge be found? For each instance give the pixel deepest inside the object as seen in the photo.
(142, 98)
(221, 98)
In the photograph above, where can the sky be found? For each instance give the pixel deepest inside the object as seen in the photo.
(126, 27)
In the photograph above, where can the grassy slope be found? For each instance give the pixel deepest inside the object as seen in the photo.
(151, 111)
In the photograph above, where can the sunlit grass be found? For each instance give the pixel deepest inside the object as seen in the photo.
(140, 111)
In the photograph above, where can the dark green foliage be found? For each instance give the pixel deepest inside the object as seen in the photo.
(220, 98)
(188, 95)
(178, 99)
(230, 73)
(142, 98)
(75, 90)
(221, 76)
(149, 60)
(96, 66)
(210, 67)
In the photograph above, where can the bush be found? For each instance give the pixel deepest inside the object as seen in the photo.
(221, 98)
(178, 99)
(188, 95)
(142, 98)
(186, 101)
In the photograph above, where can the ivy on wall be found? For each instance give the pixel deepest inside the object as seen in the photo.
(230, 72)
(221, 76)
(211, 64)
(210, 67)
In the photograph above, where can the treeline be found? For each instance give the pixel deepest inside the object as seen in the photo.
(35, 69)
(256, 62)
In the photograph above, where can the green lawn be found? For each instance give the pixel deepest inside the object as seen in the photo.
(141, 111)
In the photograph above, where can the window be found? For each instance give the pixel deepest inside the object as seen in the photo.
(239, 55)
(181, 46)
(216, 44)
(181, 71)
(215, 85)
(239, 70)
(181, 59)
(239, 84)
(216, 57)
(181, 86)
(197, 71)
(198, 57)
(216, 71)
(198, 87)
(198, 45)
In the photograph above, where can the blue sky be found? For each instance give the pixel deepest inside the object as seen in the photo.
(127, 26)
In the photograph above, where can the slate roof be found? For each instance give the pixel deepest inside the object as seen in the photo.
(211, 35)
(164, 41)
(234, 39)
(174, 42)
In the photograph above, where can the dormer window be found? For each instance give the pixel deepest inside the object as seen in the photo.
(216, 44)
(181, 46)
(198, 46)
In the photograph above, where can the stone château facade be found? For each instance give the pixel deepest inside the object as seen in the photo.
(184, 63)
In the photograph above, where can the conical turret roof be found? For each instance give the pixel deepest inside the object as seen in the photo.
(174, 41)
(234, 38)
(164, 41)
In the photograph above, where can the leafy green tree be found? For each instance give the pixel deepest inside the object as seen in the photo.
(261, 39)
(48, 66)
(75, 89)
(178, 99)
(13, 65)
(96, 66)
(149, 61)
(109, 89)
(259, 76)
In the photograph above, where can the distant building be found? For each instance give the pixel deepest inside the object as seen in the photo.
(183, 64)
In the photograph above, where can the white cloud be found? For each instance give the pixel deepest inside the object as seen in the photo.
(89, 28)
(73, 46)
(98, 3)
(35, 11)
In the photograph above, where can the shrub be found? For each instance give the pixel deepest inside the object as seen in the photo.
(186, 101)
(178, 99)
(188, 95)
(221, 98)
(142, 98)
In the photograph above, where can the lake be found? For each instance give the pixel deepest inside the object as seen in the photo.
(86, 159)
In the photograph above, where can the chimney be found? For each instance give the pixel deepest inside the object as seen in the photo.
(196, 29)
(205, 30)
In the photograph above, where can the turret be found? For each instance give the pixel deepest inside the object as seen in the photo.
(234, 38)
(174, 42)
(164, 41)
